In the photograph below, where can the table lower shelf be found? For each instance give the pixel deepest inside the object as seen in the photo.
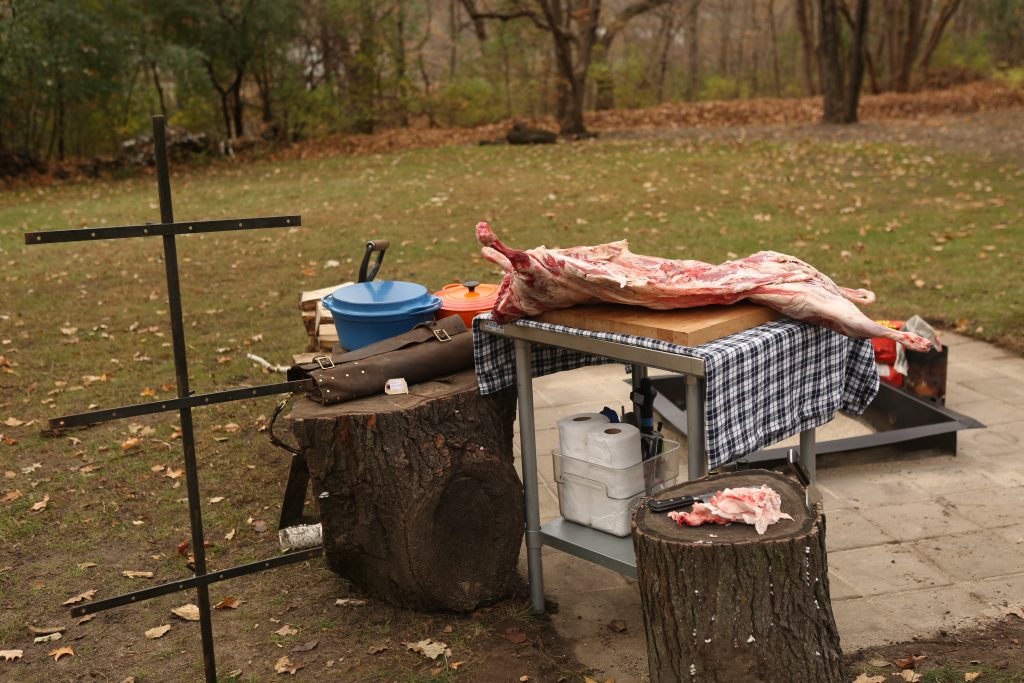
(609, 551)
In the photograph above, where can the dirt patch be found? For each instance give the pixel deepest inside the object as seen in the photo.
(996, 651)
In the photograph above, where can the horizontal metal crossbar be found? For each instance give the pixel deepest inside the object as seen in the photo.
(157, 229)
(196, 401)
(195, 581)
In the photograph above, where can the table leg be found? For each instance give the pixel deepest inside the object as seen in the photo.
(808, 458)
(528, 451)
(697, 457)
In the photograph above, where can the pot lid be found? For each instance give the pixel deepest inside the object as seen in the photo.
(381, 298)
(468, 296)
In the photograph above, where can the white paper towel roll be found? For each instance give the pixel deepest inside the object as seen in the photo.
(616, 446)
(573, 430)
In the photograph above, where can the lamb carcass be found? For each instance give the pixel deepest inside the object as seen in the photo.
(538, 280)
(761, 507)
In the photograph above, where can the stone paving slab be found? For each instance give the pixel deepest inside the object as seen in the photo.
(917, 545)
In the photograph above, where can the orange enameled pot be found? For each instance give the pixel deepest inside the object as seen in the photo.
(467, 300)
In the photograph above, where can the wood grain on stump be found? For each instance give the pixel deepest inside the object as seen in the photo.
(724, 604)
(418, 495)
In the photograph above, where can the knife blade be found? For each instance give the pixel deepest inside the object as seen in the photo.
(666, 504)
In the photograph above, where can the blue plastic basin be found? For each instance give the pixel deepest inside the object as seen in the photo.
(368, 312)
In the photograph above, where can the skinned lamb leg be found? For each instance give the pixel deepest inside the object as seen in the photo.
(539, 280)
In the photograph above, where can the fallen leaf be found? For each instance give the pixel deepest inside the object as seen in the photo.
(306, 647)
(87, 617)
(286, 630)
(41, 505)
(229, 535)
(429, 648)
(131, 443)
(68, 331)
(349, 602)
(232, 428)
(228, 603)
(11, 655)
(31, 468)
(156, 468)
(13, 422)
(187, 612)
(47, 639)
(374, 649)
(87, 595)
(455, 665)
(447, 629)
(11, 496)
(617, 625)
(44, 630)
(285, 666)
(910, 676)
(523, 679)
(148, 392)
(216, 499)
(137, 575)
(183, 546)
(864, 678)
(909, 662)
(173, 474)
(971, 675)
(60, 652)
(158, 631)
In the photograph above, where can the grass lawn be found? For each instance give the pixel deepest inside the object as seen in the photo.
(933, 232)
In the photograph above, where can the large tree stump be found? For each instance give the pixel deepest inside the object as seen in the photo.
(418, 495)
(721, 603)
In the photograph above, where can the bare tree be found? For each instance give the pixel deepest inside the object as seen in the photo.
(691, 35)
(574, 27)
(841, 83)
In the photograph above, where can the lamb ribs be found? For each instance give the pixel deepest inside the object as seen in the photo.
(538, 280)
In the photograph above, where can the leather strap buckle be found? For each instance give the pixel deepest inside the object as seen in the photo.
(442, 334)
(325, 362)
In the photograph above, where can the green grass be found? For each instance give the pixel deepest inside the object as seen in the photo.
(884, 216)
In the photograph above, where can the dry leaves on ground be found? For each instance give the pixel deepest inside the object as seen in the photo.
(47, 638)
(909, 662)
(11, 496)
(187, 612)
(137, 575)
(229, 603)
(429, 648)
(285, 666)
(864, 678)
(158, 631)
(87, 595)
(41, 505)
(350, 602)
(971, 676)
(11, 655)
(286, 630)
(60, 652)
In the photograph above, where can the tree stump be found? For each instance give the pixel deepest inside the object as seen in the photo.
(418, 494)
(721, 603)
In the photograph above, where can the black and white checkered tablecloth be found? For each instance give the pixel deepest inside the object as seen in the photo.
(762, 385)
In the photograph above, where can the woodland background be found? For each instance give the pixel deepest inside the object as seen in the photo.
(78, 78)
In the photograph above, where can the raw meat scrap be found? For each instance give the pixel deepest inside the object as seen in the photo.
(761, 507)
(539, 280)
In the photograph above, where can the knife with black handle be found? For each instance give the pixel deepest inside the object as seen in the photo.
(666, 504)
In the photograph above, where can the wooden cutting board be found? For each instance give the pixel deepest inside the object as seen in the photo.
(684, 326)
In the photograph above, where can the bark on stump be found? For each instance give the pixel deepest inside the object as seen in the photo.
(418, 495)
(723, 604)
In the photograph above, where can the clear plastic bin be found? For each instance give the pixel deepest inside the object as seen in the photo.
(603, 497)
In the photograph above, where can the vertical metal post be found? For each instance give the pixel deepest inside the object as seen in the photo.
(528, 451)
(809, 460)
(697, 457)
(185, 414)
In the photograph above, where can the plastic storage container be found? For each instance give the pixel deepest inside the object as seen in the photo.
(603, 497)
(368, 312)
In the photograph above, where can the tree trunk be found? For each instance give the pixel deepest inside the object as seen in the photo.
(773, 33)
(857, 54)
(811, 63)
(692, 49)
(159, 88)
(723, 604)
(831, 67)
(604, 80)
(949, 8)
(237, 103)
(418, 495)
